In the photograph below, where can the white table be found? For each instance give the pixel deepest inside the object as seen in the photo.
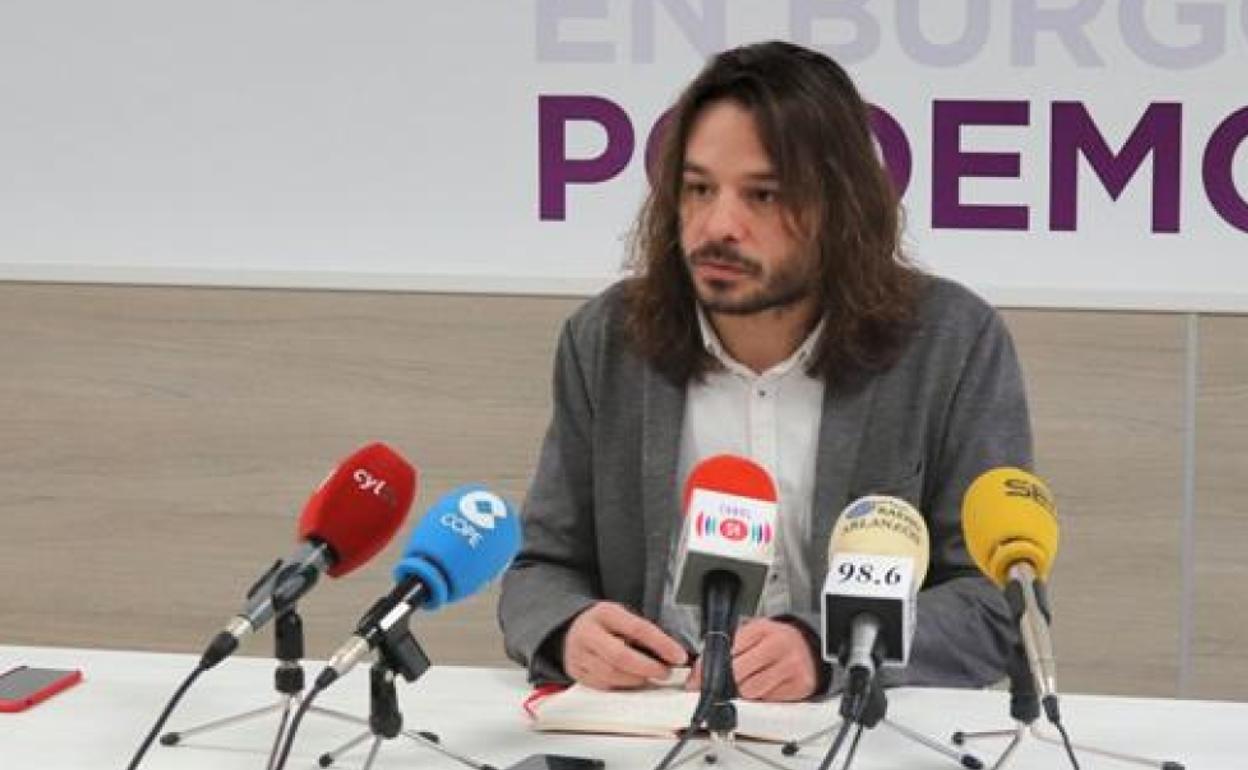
(99, 723)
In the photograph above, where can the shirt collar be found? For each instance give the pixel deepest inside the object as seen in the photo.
(712, 344)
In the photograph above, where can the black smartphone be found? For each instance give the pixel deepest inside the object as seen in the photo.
(557, 762)
(23, 687)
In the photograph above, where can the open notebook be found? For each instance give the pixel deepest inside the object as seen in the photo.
(663, 710)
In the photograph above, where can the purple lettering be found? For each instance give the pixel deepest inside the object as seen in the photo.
(894, 147)
(654, 144)
(1159, 133)
(950, 164)
(1218, 170)
(556, 170)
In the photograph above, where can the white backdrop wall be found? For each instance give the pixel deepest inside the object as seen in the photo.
(1078, 153)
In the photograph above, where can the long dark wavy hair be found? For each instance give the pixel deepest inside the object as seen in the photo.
(815, 129)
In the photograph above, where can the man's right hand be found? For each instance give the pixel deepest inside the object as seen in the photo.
(610, 648)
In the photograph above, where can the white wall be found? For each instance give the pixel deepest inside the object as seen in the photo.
(395, 144)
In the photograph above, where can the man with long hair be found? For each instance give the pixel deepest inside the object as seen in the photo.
(770, 314)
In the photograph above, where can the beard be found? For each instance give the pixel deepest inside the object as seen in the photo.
(789, 283)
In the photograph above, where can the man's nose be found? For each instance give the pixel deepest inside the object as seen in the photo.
(726, 219)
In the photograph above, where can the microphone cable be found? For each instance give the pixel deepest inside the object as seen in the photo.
(853, 747)
(700, 713)
(1055, 717)
(289, 740)
(859, 687)
(164, 715)
(717, 648)
(835, 748)
(685, 735)
(1070, 751)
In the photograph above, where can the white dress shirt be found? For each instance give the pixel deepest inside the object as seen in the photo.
(772, 418)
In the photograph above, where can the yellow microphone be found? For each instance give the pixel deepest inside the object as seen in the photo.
(1009, 521)
(1008, 517)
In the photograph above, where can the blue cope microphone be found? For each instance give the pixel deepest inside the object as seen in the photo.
(465, 540)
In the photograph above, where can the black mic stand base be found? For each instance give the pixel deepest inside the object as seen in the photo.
(288, 680)
(1021, 729)
(719, 744)
(385, 723)
(1025, 710)
(425, 738)
(966, 760)
(721, 725)
(287, 706)
(867, 707)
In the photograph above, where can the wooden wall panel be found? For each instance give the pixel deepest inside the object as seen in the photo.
(1106, 397)
(156, 445)
(1220, 614)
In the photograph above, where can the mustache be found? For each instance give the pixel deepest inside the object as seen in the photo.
(724, 254)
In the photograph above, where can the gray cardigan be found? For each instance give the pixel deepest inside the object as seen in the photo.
(599, 513)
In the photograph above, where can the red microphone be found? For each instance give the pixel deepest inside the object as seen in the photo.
(733, 475)
(727, 547)
(351, 516)
(359, 506)
(730, 525)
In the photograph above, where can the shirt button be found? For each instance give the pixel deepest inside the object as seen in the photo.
(762, 393)
(774, 577)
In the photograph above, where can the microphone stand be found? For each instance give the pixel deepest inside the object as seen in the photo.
(288, 680)
(871, 711)
(720, 723)
(715, 711)
(1025, 701)
(399, 654)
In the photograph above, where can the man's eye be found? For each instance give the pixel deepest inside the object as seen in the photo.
(697, 189)
(763, 195)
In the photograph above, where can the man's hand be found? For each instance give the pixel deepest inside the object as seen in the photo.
(771, 661)
(610, 648)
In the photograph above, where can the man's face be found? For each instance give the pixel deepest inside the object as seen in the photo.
(738, 239)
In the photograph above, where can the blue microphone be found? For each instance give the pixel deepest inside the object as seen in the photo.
(465, 540)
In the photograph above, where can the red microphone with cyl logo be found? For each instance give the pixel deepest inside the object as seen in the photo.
(728, 545)
(352, 516)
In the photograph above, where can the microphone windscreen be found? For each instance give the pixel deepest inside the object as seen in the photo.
(730, 525)
(880, 525)
(730, 475)
(467, 539)
(359, 506)
(1008, 516)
